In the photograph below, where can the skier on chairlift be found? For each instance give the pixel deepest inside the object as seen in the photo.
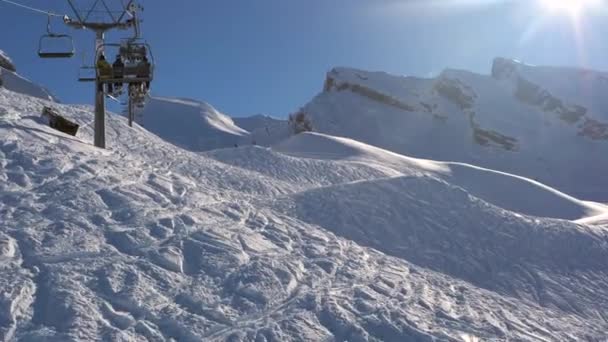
(144, 72)
(105, 71)
(119, 68)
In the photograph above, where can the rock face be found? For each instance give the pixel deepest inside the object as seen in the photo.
(6, 62)
(503, 68)
(521, 119)
(594, 130)
(456, 92)
(332, 84)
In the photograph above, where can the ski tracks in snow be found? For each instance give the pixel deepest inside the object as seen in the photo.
(148, 241)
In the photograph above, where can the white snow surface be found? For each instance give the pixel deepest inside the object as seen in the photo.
(544, 123)
(197, 126)
(317, 239)
(507, 191)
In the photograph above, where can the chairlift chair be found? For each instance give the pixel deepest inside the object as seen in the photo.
(132, 55)
(50, 36)
(87, 72)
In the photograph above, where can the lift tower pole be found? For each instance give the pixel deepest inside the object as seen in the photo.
(100, 100)
(125, 21)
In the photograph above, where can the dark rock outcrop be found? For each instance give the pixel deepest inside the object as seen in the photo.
(532, 94)
(6, 62)
(503, 68)
(332, 85)
(594, 130)
(456, 92)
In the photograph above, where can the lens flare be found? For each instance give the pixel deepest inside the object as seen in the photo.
(569, 7)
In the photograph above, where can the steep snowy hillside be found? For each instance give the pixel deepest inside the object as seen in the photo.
(150, 241)
(548, 124)
(9, 79)
(197, 126)
(190, 124)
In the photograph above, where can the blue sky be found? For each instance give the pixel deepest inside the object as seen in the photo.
(270, 56)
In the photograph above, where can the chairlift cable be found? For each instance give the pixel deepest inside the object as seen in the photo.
(49, 13)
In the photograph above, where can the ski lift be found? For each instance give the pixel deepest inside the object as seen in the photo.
(63, 40)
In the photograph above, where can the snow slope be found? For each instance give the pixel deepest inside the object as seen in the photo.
(149, 241)
(507, 191)
(543, 123)
(197, 126)
(190, 124)
(317, 239)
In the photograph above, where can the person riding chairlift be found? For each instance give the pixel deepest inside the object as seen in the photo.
(105, 72)
(119, 69)
(144, 72)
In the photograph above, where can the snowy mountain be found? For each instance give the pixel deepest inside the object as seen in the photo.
(545, 123)
(317, 238)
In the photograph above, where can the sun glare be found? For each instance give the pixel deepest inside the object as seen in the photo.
(571, 7)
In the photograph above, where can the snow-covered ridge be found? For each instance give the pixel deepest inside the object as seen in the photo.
(198, 126)
(193, 125)
(507, 191)
(574, 94)
(525, 120)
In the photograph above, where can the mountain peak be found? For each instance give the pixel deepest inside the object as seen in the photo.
(504, 68)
